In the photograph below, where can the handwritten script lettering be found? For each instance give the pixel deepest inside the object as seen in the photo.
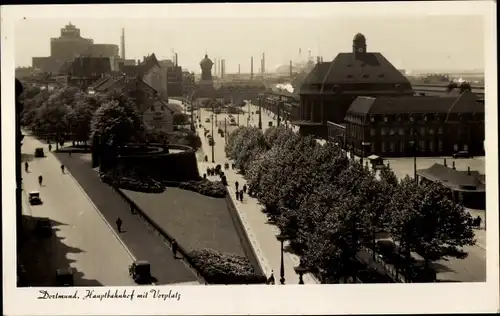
(121, 294)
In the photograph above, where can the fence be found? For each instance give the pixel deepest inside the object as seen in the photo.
(161, 232)
(242, 232)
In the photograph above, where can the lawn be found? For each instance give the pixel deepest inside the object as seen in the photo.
(194, 220)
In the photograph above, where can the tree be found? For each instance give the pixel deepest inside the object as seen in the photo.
(117, 118)
(80, 118)
(180, 118)
(51, 119)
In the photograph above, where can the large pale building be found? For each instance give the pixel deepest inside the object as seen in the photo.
(70, 45)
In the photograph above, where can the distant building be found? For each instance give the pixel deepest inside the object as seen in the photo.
(205, 87)
(330, 88)
(70, 45)
(438, 126)
(175, 81)
(156, 114)
(188, 83)
(83, 71)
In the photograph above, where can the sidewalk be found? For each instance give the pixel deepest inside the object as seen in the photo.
(261, 234)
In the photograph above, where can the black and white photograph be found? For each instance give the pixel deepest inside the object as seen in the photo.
(267, 158)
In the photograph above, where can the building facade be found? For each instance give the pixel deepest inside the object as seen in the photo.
(408, 126)
(330, 88)
(83, 71)
(156, 113)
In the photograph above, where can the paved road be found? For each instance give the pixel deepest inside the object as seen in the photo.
(143, 241)
(86, 241)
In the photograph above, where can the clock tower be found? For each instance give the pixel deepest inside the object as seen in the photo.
(359, 44)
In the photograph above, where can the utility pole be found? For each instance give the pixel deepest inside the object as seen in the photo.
(225, 130)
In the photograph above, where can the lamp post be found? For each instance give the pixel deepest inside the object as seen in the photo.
(301, 269)
(282, 237)
(364, 145)
(260, 112)
(213, 141)
(225, 130)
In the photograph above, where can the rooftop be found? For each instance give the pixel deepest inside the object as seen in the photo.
(467, 181)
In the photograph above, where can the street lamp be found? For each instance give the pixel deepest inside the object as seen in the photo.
(301, 269)
(213, 140)
(282, 237)
(260, 112)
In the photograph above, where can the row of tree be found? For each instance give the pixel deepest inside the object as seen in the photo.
(68, 113)
(331, 206)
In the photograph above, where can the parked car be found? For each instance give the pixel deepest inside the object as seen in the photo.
(39, 152)
(462, 154)
(207, 120)
(34, 198)
(140, 271)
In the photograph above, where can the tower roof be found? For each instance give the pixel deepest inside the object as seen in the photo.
(206, 61)
(358, 37)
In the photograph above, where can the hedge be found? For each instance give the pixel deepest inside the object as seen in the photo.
(223, 268)
(132, 180)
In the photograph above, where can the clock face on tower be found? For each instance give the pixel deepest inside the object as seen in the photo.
(361, 50)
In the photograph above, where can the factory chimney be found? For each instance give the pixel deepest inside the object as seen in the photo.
(263, 63)
(176, 60)
(251, 67)
(291, 68)
(239, 69)
(123, 44)
(223, 68)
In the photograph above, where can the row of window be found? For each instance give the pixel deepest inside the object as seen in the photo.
(422, 131)
(411, 117)
(422, 146)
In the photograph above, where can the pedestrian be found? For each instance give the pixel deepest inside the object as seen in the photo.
(245, 188)
(50, 147)
(241, 195)
(236, 184)
(26, 166)
(270, 280)
(175, 247)
(62, 168)
(208, 171)
(479, 220)
(69, 153)
(237, 195)
(119, 223)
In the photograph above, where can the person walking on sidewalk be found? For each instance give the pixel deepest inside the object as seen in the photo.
(270, 280)
(245, 188)
(237, 195)
(236, 185)
(62, 168)
(241, 196)
(119, 223)
(175, 247)
(26, 166)
(50, 147)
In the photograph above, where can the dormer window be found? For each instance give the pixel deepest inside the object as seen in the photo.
(425, 118)
(372, 119)
(412, 119)
(385, 119)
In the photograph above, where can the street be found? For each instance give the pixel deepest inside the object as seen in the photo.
(96, 253)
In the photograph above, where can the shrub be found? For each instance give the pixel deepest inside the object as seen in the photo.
(132, 180)
(224, 268)
(205, 187)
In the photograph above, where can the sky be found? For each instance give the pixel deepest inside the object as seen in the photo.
(413, 41)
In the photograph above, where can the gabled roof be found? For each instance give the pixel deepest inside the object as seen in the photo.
(457, 180)
(465, 103)
(149, 62)
(355, 68)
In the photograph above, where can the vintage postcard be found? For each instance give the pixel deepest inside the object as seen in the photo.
(263, 158)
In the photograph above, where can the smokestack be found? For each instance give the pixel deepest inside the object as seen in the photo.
(123, 44)
(263, 63)
(291, 73)
(223, 68)
(318, 59)
(176, 60)
(309, 55)
(251, 67)
(239, 69)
